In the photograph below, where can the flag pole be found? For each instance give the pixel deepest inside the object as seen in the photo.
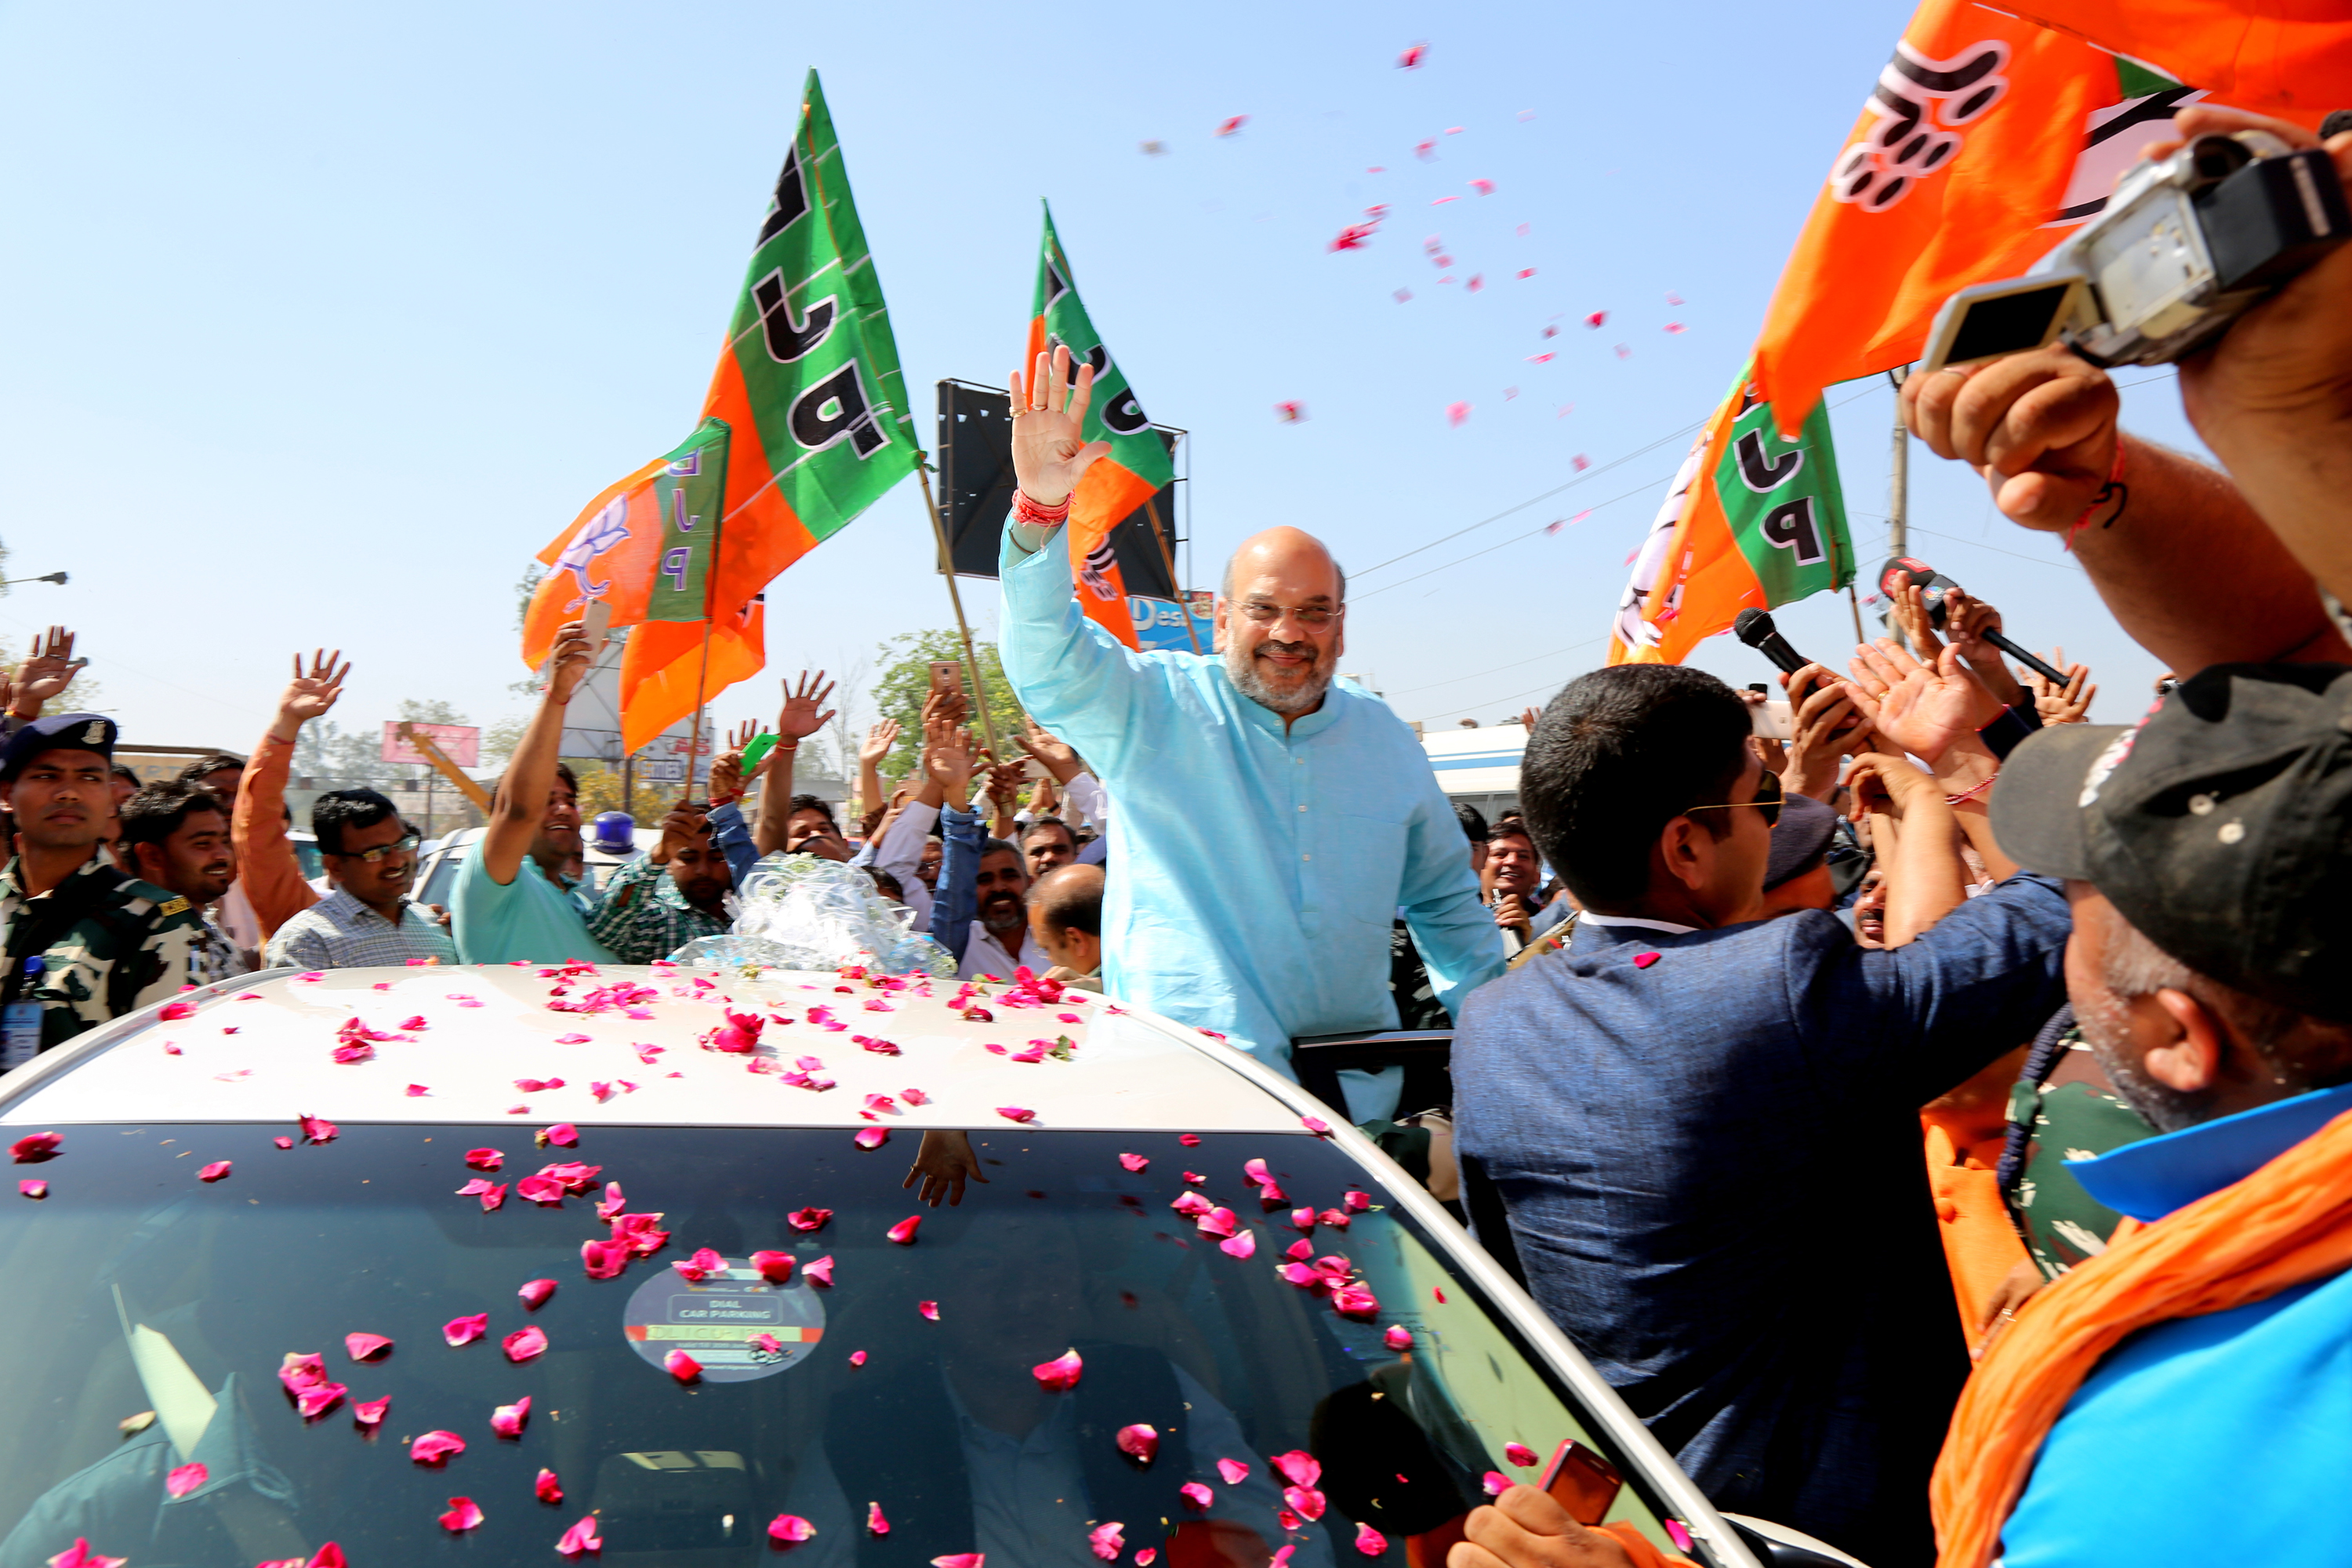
(963, 629)
(1183, 605)
(702, 672)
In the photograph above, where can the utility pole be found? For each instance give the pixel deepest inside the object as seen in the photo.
(1898, 480)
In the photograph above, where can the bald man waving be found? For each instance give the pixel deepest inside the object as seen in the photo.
(1270, 823)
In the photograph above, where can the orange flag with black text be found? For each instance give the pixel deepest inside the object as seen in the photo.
(1961, 164)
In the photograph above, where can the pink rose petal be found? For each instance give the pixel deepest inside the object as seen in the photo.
(185, 1478)
(547, 1487)
(1139, 1442)
(875, 1523)
(1134, 1162)
(318, 1129)
(1370, 1541)
(370, 1412)
(435, 1448)
(365, 1347)
(1234, 1470)
(467, 1330)
(1106, 1541)
(790, 1530)
(857, 1358)
(1016, 1114)
(462, 1515)
(35, 1147)
(484, 1159)
(173, 1012)
(1355, 1301)
(573, 1039)
(582, 1537)
(1398, 1338)
(1254, 1173)
(535, 1292)
(317, 1399)
(703, 1264)
(1299, 1467)
(36, 1190)
(682, 1366)
(808, 1219)
(1219, 1221)
(1497, 1483)
(1188, 1140)
(1061, 1373)
(1316, 1125)
(872, 1137)
(508, 1420)
(928, 1309)
(1147, 1557)
(417, 1092)
(820, 1272)
(903, 1233)
(80, 1555)
(525, 1345)
(605, 1260)
(1306, 1499)
(1196, 1495)
(967, 1559)
(1644, 959)
(914, 1097)
(1520, 1454)
(1679, 1534)
(1242, 1245)
(773, 1267)
(564, 1135)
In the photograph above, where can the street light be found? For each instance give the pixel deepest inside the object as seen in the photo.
(57, 577)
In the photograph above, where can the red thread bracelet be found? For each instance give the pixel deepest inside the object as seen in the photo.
(1027, 509)
(2114, 486)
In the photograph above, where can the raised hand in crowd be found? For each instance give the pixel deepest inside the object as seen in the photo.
(1913, 612)
(947, 760)
(805, 713)
(684, 826)
(1003, 796)
(1050, 450)
(2067, 704)
(1966, 622)
(1527, 1528)
(1055, 755)
(1926, 709)
(1824, 728)
(49, 669)
(1527, 717)
(311, 694)
(727, 784)
(880, 737)
(1917, 841)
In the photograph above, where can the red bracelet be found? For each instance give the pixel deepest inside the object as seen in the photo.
(1025, 510)
(1970, 794)
(2114, 487)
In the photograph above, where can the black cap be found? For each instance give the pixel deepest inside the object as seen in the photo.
(2221, 825)
(58, 733)
(1800, 838)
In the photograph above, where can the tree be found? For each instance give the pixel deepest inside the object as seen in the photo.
(436, 712)
(905, 680)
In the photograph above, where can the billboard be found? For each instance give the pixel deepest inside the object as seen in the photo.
(461, 743)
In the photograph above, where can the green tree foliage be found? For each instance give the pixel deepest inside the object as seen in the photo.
(906, 680)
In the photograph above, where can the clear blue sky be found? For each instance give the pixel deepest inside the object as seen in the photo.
(317, 322)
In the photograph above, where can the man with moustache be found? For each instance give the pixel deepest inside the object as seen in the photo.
(1271, 823)
(81, 938)
(177, 837)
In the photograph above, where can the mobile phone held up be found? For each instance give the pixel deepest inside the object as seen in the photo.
(1581, 1482)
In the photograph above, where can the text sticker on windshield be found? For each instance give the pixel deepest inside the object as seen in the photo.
(735, 1324)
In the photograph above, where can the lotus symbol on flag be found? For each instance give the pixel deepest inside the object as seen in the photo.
(608, 529)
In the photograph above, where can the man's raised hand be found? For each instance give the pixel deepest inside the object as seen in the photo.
(880, 739)
(1924, 709)
(802, 717)
(311, 693)
(569, 661)
(1059, 757)
(1050, 450)
(49, 669)
(2039, 428)
(947, 760)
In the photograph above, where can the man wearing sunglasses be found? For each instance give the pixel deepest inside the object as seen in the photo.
(370, 853)
(1273, 822)
(1690, 1117)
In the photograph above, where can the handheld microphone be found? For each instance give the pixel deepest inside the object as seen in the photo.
(1755, 628)
(1900, 570)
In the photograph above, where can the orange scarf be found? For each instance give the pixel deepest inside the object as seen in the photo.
(2289, 1221)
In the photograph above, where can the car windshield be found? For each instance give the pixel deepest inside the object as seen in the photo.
(902, 1410)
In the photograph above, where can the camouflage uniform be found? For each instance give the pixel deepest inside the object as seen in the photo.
(110, 944)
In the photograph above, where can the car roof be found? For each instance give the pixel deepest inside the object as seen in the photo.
(262, 1049)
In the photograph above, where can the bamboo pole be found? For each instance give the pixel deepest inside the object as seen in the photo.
(1183, 605)
(964, 628)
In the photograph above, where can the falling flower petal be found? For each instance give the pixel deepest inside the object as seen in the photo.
(582, 1537)
(535, 1292)
(508, 1420)
(1139, 1442)
(820, 1271)
(903, 1233)
(547, 1487)
(1242, 1245)
(1455, 412)
(682, 1366)
(875, 1523)
(467, 1330)
(33, 1189)
(462, 1515)
(1398, 1338)
(1370, 1541)
(790, 1529)
(1411, 60)
(1106, 1541)
(1061, 1373)
(808, 1219)
(435, 1448)
(33, 1148)
(1227, 127)
(1196, 1495)
(1484, 187)
(872, 1137)
(365, 1347)
(1234, 1470)
(525, 1345)
(185, 1479)
(1015, 1113)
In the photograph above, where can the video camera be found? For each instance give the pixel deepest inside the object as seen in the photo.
(2185, 247)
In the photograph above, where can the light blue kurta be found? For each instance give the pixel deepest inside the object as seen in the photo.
(1255, 875)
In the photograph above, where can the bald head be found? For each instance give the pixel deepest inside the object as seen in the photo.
(1065, 917)
(1279, 620)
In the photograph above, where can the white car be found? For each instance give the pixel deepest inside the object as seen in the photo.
(480, 1265)
(439, 860)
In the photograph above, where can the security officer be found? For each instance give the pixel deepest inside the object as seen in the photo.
(83, 942)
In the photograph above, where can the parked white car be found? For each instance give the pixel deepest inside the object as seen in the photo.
(479, 1264)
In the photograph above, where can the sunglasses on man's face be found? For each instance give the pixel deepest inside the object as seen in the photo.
(1768, 800)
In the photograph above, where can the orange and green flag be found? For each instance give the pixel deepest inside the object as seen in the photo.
(1137, 467)
(812, 426)
(1753, 520)
(2292, 58)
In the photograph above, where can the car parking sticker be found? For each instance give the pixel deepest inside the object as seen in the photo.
(738, 1325)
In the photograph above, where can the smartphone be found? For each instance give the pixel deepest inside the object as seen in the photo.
(947, 677)
(757, 752)
(596, 621)
(1770, 720)
(1581, 1481)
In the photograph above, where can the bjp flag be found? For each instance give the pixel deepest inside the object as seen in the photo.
(2292, 58)
(1963, 159)
(1753, 520)
(1137, 467)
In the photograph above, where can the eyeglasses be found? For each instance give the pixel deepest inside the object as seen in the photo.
(1311, 616)
(1767, 801)
(405, 843)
